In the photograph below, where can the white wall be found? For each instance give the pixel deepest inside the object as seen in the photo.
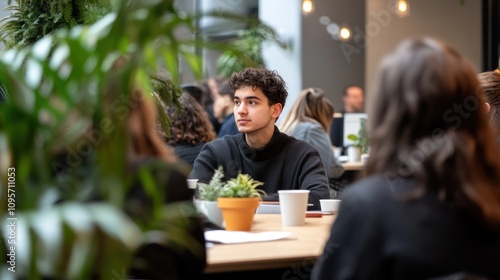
(285, 17)
(448, 20)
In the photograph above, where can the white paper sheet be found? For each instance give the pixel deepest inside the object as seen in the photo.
(231, 237)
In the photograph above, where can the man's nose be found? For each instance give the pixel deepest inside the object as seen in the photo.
(242, 109)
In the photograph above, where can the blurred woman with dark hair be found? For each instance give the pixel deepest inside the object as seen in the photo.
(190, 129)
(430, 206)
(160, 259)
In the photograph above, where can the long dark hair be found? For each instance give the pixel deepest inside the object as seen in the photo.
(427, 121)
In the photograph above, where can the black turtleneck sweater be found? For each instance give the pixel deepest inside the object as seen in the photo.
(284, 163)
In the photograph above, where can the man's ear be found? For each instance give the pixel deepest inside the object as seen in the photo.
(488, 107)
(277, 108)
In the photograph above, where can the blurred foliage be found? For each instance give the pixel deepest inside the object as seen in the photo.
(246, 50)
(63, 130)
(30, 20)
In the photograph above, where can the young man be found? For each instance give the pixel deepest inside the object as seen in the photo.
(260, 149)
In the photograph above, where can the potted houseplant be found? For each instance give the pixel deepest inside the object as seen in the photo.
(238, 201)
(206, 197)
(360, 143)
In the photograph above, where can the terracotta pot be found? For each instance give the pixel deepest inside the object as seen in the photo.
(238, 212)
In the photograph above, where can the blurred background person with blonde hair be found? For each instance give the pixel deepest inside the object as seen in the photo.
(309, 120)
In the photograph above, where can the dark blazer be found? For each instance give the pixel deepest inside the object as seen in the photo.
(379, 235)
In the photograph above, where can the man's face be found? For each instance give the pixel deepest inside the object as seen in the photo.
(252, 111)
(353, 101)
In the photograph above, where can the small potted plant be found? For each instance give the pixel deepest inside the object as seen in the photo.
(360, 143)
(238, 201)
(207, 194)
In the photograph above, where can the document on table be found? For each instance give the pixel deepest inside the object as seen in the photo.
(232, 237)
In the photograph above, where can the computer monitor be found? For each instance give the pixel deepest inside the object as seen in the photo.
(352, 124)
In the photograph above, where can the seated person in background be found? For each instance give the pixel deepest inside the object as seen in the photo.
(223, 110)
(195, 91)
(431, 204)
(146, 151)
(490, 82)
(190, 129)
(261, 150)
(210, 87)
(309, 119)
(353, 99)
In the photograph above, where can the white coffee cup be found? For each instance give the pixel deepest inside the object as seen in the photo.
(337, 152)
(192, 183)
(293, 206)
(330, 205)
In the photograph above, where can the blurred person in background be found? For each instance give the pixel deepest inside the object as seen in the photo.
(210, 88)
(430, 206)
(223, 111)
(490, 82)
(190, 129)
(147, 152)
(353, 98)
(309, 120)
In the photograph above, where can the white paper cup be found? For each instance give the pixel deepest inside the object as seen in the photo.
(192, 183)
(293, 206)
(330, 205)
(337, 152)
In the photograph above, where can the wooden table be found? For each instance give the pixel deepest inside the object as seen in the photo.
(305, 245)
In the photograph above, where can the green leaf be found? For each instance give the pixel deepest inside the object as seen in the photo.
(352, 137)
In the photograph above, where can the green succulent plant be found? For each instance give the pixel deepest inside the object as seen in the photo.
(242, 186)
(212, 190)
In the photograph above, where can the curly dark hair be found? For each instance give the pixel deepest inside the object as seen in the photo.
(189, 125)
(269, 81)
